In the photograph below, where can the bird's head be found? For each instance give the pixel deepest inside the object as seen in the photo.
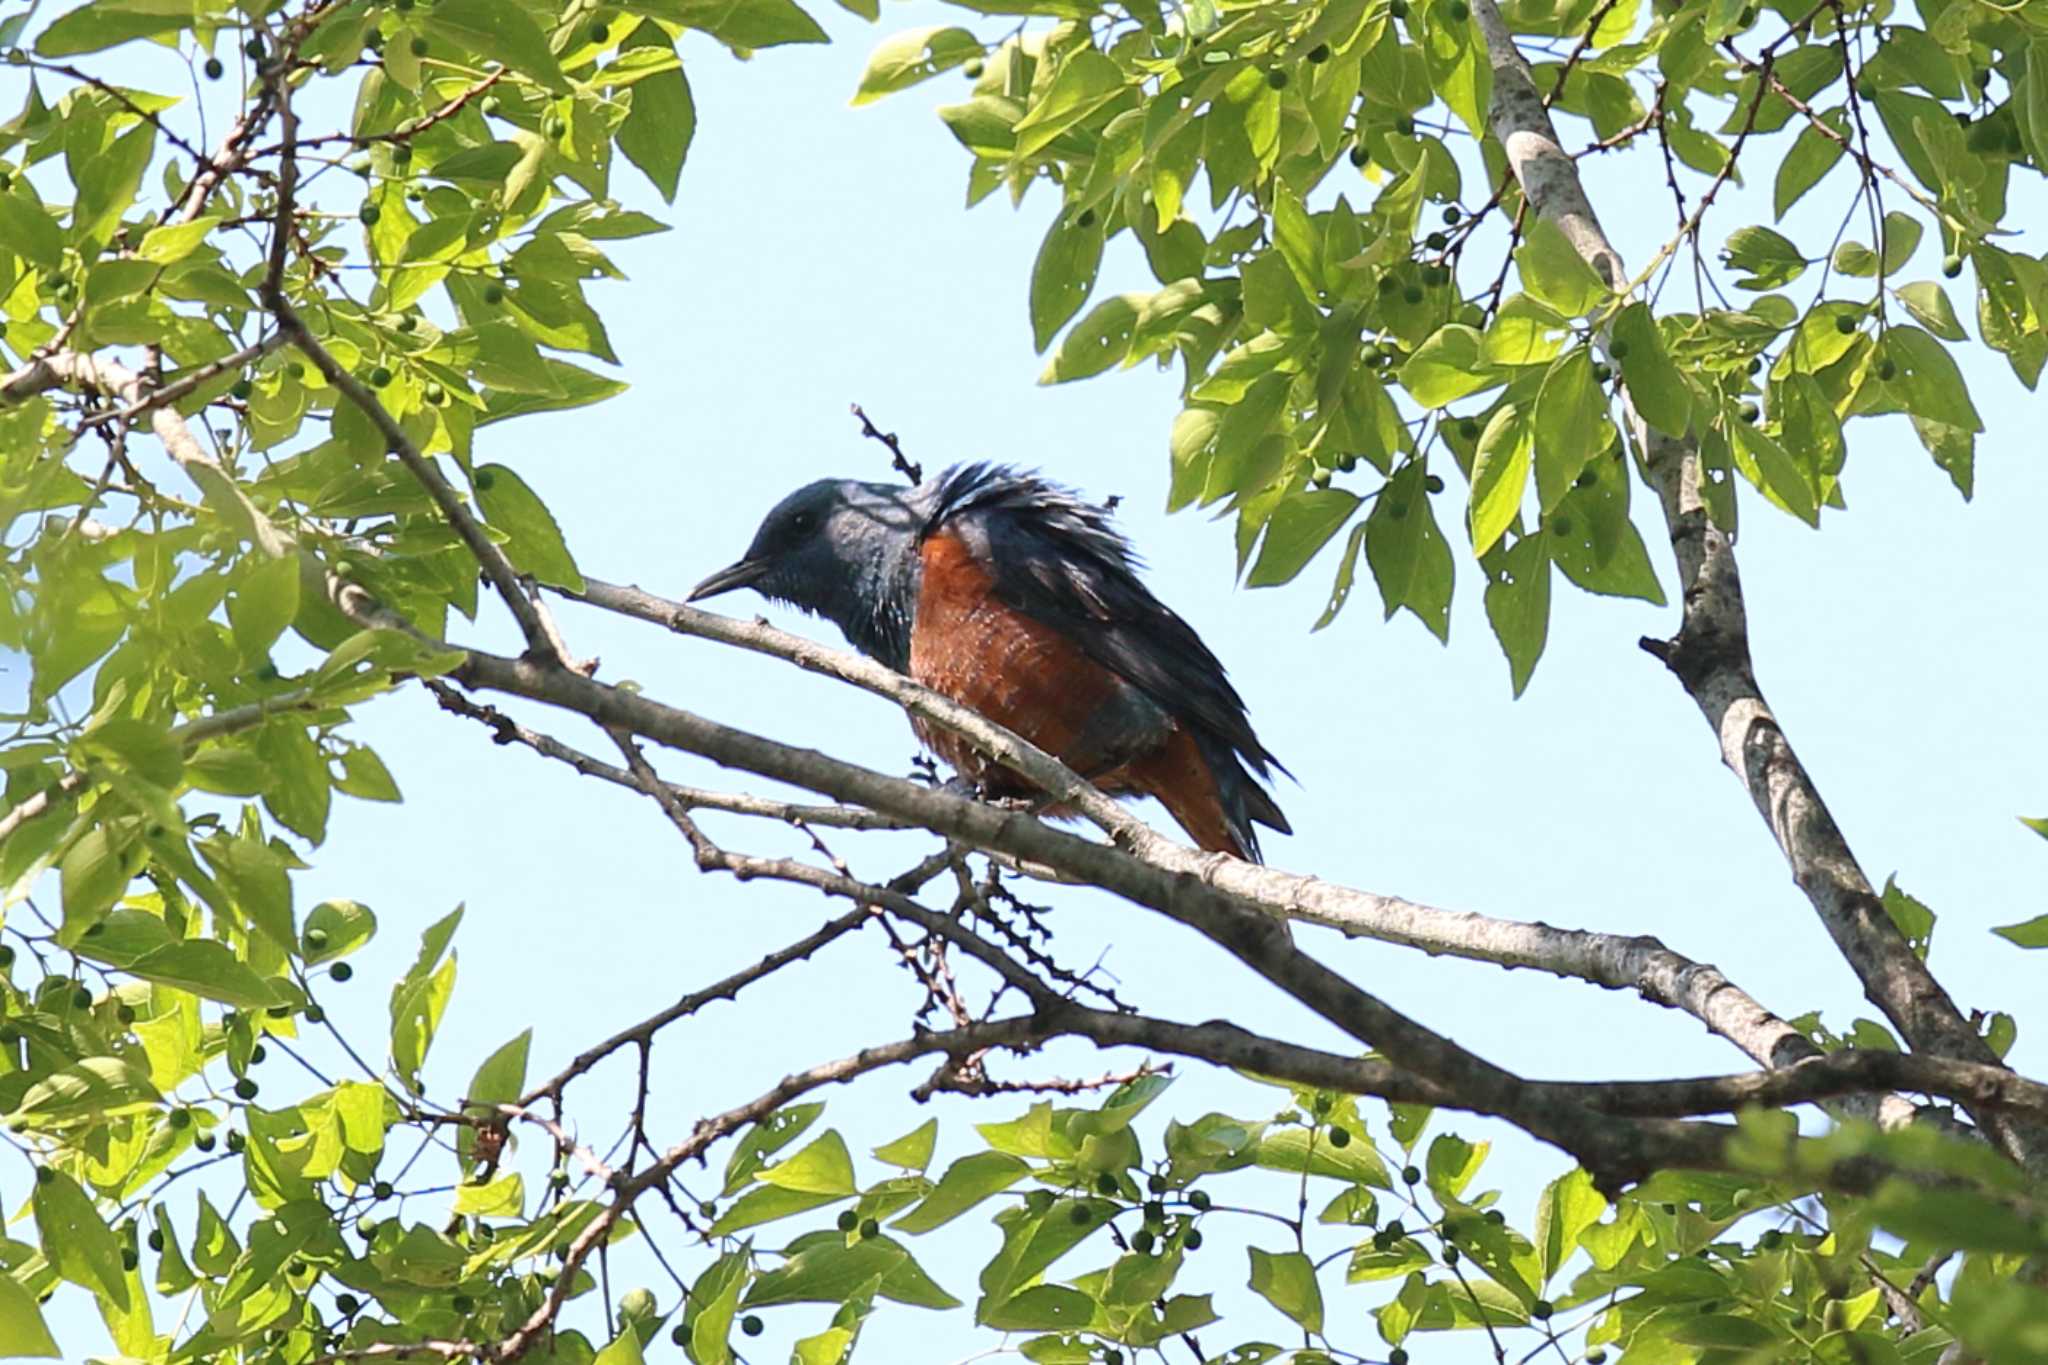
(840, 549)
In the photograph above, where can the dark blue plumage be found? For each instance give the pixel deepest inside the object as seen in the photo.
(857, 553)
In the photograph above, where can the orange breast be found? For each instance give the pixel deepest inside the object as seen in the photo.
(1027, 677)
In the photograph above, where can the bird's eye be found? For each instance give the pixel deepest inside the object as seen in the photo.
(802, 522)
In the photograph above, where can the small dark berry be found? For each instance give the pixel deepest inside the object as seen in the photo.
(156, 1240)
(973, 70)
(1142, 1240)
(1887, 371)
(346, 1304)
(1436, 241)
(1459, 11)
(1405, 126)
(1105, 1183)
(1079, 1215)
(129, 1260)
(1200, 1199)
(434, 393)
(6, 956)
(1469, 429)
(1560, 526)
(245, 1088)
(1086, 218)
(1453, 215)
(1398, 9)
(316, 939)
(1397, 1356)
(1320, 53)
(379, 377)
(1496, 1217)
(1618, 349)
(419, 47)
(1156, 1184)
(752, 1325)
(1433, 484)
(1951, 265)
(1750, 412)
(1193, 1241)
(241, 389)
(369, 214)
(1412, 294)
(1360, 157)
(253, 49)
(1601, 374)
(214, 69)
(381, 1190)
(341, 971)
(870, 1228)
(125, 1013)
(1541, 1310)
(1585, 480)
(599, 31)
(462, 1303)
(257, 1054)
(1409, 1173)
(1596, 1356)
(679, 1334)
(1277, 78)
(1755, 366)
(848, 1220)
(1450, 1255)
(236, 1141)
(204, 1142)
(1845, 323)
(1340, 1137)
(81, 999)
(1771, 1240)
(493, 295)
(315, 1015)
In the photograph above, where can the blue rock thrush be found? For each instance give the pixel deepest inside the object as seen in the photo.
(1015, 597)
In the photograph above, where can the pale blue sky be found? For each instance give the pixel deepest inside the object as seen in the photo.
(822, 258)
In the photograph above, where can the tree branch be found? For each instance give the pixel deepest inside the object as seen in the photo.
(1710, 654)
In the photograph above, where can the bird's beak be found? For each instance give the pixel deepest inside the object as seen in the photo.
(732, 576)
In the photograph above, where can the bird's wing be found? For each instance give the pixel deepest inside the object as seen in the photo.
(1060, 560)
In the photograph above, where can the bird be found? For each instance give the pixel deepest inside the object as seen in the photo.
(1021, 600)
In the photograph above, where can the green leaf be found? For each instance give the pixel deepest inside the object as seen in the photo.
(713, 1301)
(335, 929)
(175, 241)
(765, 1204)
(966, 1183)
(29, 231)
(263, 604)
(93, 873)
(912, 1151)
(1063, 275)
(1410, 559)
(208, 969)
(2032, 933)
(766, 1138)
(1571, 419)
(1518, 605)
(1287, 1280)
(1041, 1308)
(1813, 154)
(1300, 1149)
(420, 997)
(93, 28)
(1928, 379)
(831, 1270)
(95, 1087)
(1097, 341)
(1553, 272)
(1449, 365)
(1770, 259)
(1777, 472)
(1086, 81)
(534, 542)
(822, 1167)
(1909, 916)
(904, 59)
(1928, 304)
(76, 1240)
(1902, 233)
(22, 1332)
(1654, 384)
(503, 1197)
(738, 23)
(495, 30)
(107, 183)
(501, 1079)
(1500, 475)
(657, 130)
(1568, 1206)
(1300, 526)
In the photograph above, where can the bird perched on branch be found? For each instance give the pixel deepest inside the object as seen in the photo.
(1015, 597)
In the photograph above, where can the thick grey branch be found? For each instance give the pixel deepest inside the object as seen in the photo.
(1710, 654)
